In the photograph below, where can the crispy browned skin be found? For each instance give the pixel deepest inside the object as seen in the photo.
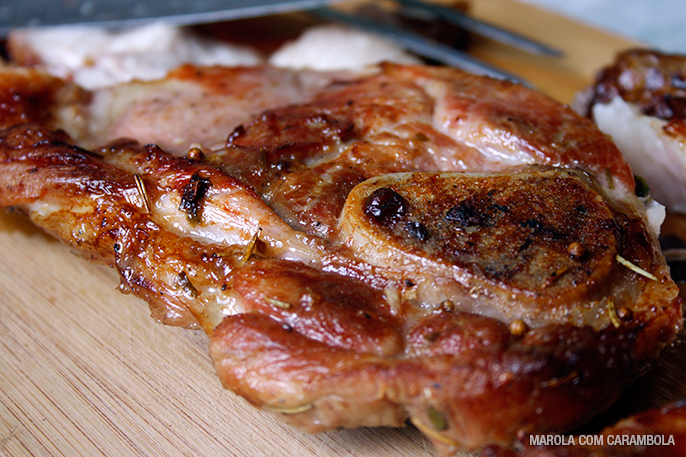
(417, 244)
(653, 81)
(666, 424)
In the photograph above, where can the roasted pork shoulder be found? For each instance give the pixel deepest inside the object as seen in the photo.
(418, 244)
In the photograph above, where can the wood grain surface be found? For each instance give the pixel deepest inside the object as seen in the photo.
(84, 370)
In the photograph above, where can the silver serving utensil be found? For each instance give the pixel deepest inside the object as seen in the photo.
(120, 13)
(460, 19)
(127, 13)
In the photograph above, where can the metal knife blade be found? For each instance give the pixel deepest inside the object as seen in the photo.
(481, 28)
(119, 13)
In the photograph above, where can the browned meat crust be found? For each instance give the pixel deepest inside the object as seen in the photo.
(420, 244)
(653, 81)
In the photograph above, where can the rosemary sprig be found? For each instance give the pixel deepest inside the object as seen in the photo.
(635, 268)
(140, 186)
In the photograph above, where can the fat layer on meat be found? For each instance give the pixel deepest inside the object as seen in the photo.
(418, 244)
(640, 101)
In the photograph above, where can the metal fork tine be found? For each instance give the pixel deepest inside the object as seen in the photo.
(482, 28)
(419, 44)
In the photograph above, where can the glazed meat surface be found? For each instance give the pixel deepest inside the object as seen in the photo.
(417, 244)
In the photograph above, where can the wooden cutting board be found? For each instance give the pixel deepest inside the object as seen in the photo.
(84, 371)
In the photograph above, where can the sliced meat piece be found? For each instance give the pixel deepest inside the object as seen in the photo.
(493, 273)
(640, 101)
